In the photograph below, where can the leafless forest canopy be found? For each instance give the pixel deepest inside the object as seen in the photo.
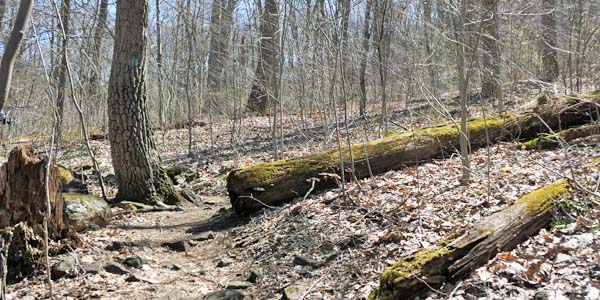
(402, 52)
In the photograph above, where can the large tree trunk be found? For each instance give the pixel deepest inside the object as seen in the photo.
(549, 56)
(490, 84)
(12, 47)
(455, 259)
(23, 192)
(140, 176)
(265, 87)
(280, 181)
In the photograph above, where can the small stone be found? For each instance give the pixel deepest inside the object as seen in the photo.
(238, 285)
(252, 277)
(134, 261)
(189, 195)
(66, 267)
(561, 257)
(204, 236)
(225, 295)
(179, 246)
(224, 262)
(139, 278)
(353, 241)
(140, 244)
(541, 295)
(116, 246)
(294, 291)
(174, 267)
(571, 244)
(93, 268)
(306, 261)
(327, 247)
(115, 268)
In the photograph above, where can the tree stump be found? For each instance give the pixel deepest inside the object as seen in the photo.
(23, 192)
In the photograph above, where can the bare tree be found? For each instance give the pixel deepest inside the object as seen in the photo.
(265, 85)
(365, 42)
(12, 47)
(99, 33)
(65, 12)
(550, 70)
(490, 83)
(138, 169)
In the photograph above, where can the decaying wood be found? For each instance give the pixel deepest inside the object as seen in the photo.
(455, 259)
(565, 136)
(5, 240)
(23, 192)
(272, 183)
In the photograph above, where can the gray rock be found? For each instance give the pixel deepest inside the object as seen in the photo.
(224, 262)
(204, 236)
(81, 211)
(179, 246)
(115, 268)
(134, 261)
(93, 268)
(225, 295)
(327, 247)
(306, 261)
(238, 285)
(189, 195)
(541, 295)
(294, 291)
(66, 267)
(116, 246)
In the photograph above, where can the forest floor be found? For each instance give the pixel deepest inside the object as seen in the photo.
(329, 246)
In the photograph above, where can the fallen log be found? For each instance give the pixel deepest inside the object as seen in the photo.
(454, 259)
(276, 182)
(23, 192)
(554, 140)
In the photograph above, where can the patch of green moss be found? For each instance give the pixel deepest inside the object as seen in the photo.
(65, 175)
(404, 268)
(542, 200)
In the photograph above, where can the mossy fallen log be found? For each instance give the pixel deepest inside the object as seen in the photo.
(280, 181)
(453, 259)
(554, 140)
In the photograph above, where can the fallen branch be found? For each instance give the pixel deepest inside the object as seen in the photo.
(565, 136)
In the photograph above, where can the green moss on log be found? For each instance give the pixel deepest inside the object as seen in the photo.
(551, 141)
(542, 200)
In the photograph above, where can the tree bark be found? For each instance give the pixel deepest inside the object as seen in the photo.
(98, 46)
(23, 192)
(549, 56)
(65, 16)
(280, 181)
(455, 259)
(220, 31)
(12, 48)
(138, 169)
(366, 36)
(265, 86)
(490, 84)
